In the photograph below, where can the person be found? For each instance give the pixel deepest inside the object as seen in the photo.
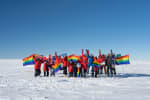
(103, 65)
(70, 69)
(58, 59)
(52, 70)
(100, 60)
(95, 69)
(84, 63)
(90, 61)
(109, 64)
(79, 68)
(49, 60)
(113, 65)
(65, 64)
(75, 69)
(45, 68)
(37, 66)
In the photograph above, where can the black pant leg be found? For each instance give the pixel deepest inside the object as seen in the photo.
(70, 74)
(45, 73)
(111, 70)
(75, 72)
(114, 71)
(101, 70)
(96, 72)
(108, 68)
(81, 72)
(37, 72)
(65, 70)
(92, 71)
(84, 73)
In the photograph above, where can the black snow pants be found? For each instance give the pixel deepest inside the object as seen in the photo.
(37, 72)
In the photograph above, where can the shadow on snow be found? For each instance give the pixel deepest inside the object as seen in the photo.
(128, 75)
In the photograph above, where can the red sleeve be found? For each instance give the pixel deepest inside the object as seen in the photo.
(49, 59)
(86, 60)
(56, 56)
(63, 60)
(42, 60)
(34, 59)
(82, 52)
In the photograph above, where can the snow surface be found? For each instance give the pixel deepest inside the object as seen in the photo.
(18, 83)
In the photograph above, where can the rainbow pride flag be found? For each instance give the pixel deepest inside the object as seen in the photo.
(78, 72)
(74, 58)
(122, 60)
(57, 67)
(96, 63)
(29, 60)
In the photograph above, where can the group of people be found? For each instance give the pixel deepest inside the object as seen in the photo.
(80, 68)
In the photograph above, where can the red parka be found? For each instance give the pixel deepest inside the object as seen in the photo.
(58, 60)
(38, 63)
(100, 59)
(49, 59)
(65, 62)
(70, 67)
(84, 61)
(45, 67)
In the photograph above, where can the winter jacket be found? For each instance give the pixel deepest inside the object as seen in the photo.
(65, 62)
(49, 60)
(109, 60)
(100, 59)
(84, 62)
(90, 60)
(58, 60)
(45, 67)
(70, 67)
(38, 63)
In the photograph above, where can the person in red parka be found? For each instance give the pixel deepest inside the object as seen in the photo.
(65, 64)
(52, 70)
(45, 68)
(58, 59)
(37, 67)
(70, 69)
(84, 63)
(49, 60)
(81, 66)
(100, 60)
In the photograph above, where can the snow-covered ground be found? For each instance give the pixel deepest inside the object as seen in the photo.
(18, 83)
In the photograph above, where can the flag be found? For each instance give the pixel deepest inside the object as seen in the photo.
(78, 72)
(74, 58)
(122, 60)
(57, 67)
(96, 63)
(29, 60)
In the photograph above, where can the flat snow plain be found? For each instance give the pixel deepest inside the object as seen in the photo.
(18, 83)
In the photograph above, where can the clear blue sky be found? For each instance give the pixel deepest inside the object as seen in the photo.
(46, 26)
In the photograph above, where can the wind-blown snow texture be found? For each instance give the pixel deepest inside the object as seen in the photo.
(18, 83)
